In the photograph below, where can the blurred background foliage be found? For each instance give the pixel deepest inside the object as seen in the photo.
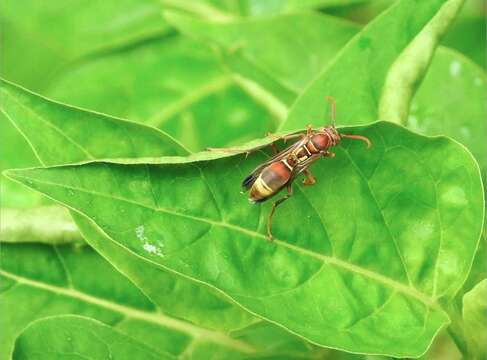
(128, 61)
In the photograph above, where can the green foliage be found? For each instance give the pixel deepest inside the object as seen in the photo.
(161, 256)
(474, 309)
(81, 338)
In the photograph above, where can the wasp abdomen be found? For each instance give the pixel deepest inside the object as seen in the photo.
(270, 181)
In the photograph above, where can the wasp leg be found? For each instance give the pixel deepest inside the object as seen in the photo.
(329, 154)
(310, 179)
(273, 210)
(309, 130)
(333, 109)
(275, 149)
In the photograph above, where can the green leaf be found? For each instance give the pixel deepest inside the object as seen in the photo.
(200, 305)
(173, 294)
(475, 320)
(81, 336)
(176, 85)
(409, 68)
(372, 269)
(281, 54)
(228, 10)
(40, 280)
(76, 337)
(467, 34)
(57, 34)
(357, 76)
(258, 7)
(15, 152)
(479, 266)
(43, 123)
(450, 101)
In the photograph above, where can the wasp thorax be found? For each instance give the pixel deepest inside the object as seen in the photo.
(321, 141)
(325, 139)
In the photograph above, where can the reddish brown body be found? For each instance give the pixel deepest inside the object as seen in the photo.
(269, 179)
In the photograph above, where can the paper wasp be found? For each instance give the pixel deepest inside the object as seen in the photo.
(281, 170)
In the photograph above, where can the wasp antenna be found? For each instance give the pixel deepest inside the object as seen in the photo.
(333, 109)
(358, 137)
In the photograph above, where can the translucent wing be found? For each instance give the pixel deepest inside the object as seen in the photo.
(249, 180)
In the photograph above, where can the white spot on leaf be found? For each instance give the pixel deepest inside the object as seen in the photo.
(413, 122)
(146, 245)
(465, 132)
(454, 196)
(140, 233)
(414, 107)
(151, 249)
(455, 67)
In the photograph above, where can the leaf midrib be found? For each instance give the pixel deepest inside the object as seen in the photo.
(133, 313)
(393, 284)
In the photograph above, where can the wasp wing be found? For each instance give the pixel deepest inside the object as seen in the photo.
(249, 180)
(256, 144)
(298, 169)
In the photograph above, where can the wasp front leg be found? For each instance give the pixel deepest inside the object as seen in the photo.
(309, 130)
(275, 149)
(273, 210)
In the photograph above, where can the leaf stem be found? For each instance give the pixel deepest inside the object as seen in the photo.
(455, 329)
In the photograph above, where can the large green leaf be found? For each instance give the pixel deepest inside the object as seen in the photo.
(468, 33)
(281, 54)
(176, 85)
(84, 136)
(358, 74)
(370, 258)
(15, 152)
(41, 280)
(475, 320)
(450, 101)
(82, 338)
(228, 10)
(460, 114)
(362, 65)
(50, 126)
(53, 35)
(172, 294)
(76, 337)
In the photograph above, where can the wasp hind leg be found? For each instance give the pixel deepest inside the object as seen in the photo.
(273, 210)
(309, 178)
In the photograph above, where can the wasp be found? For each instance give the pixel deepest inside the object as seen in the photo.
(280, 171)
